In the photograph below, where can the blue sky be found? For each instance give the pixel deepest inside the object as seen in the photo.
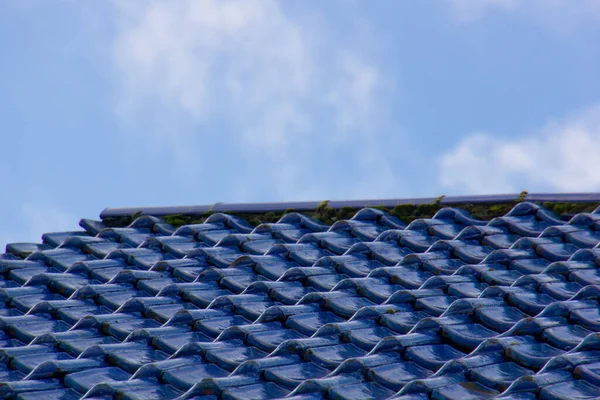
(193, 102)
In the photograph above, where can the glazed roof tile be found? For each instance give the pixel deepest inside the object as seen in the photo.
(364, 304)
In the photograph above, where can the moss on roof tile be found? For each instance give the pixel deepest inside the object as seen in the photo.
(404, 212)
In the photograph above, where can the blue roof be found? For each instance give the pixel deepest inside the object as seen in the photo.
(444, 307)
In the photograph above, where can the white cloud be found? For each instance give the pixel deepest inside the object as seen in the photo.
(242, 58)
(558, 157)
(281, 82)
(557, 14)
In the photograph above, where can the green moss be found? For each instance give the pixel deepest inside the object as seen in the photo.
(409, 212)
(499, 208)
(178, 220)
(113, 222)
(271, 217)
(570, 209)
(254, 221)
(345, 213)
(522, 196)
(324, 213)
(322, 206)
(175, 219)
(487, 212)
(405, 212)
(427, 210)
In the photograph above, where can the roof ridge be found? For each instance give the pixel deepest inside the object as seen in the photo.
(264, 207)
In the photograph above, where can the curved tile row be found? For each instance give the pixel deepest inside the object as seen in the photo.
(444, 308)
